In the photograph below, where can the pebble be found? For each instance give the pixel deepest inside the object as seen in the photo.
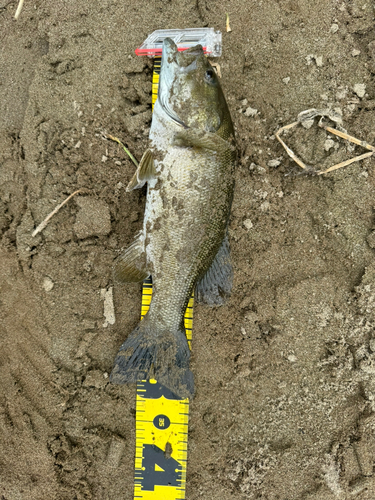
(48, 284)
(248, 224)
(292, 358)
(329, 144)
(360, 89)
(274, 163)
(109, 309)
(355, 52)
(334, 28)
(286, 80)
(318, 60)
(307, 124)
(250, 111)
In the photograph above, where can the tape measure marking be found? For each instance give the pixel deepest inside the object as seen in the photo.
(161, 416)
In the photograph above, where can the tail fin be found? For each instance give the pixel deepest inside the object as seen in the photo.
(152, 353)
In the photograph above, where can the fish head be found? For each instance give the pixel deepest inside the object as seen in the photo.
(189, 89)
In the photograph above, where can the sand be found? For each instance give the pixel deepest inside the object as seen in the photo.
(285, 387)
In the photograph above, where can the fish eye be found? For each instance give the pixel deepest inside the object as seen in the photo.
(209, 75)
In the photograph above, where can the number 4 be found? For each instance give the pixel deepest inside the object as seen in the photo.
(158, 469)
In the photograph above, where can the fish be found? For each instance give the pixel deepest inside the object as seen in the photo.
(189, 170)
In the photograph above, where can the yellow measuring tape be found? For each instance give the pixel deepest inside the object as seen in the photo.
(161, 417)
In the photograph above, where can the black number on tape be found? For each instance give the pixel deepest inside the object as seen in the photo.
(159, 470)
(161, 422)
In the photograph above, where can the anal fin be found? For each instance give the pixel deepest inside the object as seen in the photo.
(145, 171)
(215, 286)
(131, 265)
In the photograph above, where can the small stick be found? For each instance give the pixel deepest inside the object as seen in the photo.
(227, 24)
(350, 138)
(43, 224)
(346, 163)
(287, 148)
(112, 138)
(19, 8)
(311, 114)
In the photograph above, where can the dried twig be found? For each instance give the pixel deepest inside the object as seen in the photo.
(346, 136)
(346, 163)
(306, 118)
(349, 138)
(227, 24)
(287, 148)
(19, 8)
(112, 138)
(43, 224)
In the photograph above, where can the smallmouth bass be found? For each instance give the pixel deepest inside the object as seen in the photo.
(189, 170)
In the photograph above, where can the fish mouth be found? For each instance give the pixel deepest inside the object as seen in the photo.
(183, 58)
(174, 62)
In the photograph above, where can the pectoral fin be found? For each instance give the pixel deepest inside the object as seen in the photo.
(216, 284)
(145, 172)
(207, 140)
(131, 265)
